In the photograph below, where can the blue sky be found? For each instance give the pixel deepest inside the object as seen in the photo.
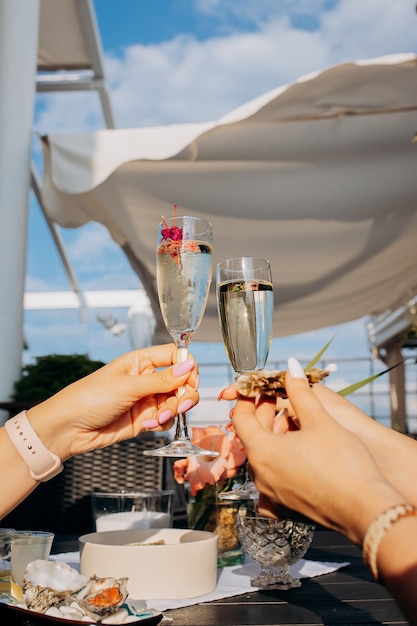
(173, 61)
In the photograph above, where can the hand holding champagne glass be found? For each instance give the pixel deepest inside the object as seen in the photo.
(184, 270)
(245, 301)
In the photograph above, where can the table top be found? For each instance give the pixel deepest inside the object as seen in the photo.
(348, 596)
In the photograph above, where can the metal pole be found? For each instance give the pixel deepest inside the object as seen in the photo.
(19, 26)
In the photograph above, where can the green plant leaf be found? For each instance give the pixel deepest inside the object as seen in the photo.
(352, 388)
(319, 354)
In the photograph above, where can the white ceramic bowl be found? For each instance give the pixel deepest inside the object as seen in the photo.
(184, 566)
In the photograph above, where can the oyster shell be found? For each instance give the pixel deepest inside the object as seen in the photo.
(272, 382)
(49, 583)
(102, 596)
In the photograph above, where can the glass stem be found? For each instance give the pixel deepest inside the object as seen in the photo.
(181, 430)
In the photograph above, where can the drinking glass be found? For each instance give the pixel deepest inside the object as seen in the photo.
(127, 510)
(183, 270)
(25, 547)
(5, 534)
(274, 544)
(245, 300)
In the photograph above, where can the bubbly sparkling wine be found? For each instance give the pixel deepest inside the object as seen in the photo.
(246, 311)
(183, 285)
(132, 520)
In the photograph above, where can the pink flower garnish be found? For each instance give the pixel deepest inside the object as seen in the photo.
(199, 471)
(174, 233)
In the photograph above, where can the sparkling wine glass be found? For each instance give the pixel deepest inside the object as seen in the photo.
(245, 301)
(184, 270)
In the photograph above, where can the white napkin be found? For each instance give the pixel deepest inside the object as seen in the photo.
(235, 580)
(231, 581)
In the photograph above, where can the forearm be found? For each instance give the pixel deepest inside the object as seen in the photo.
(15, 478)
(395, 454)
(397, 564)
(17, 481)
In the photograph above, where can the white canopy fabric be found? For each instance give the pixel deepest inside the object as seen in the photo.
(319, 176)
(62, 40)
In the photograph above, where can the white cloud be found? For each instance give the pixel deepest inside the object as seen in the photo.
(188, 80)
(232, 11)
(88, 243)
(98, 259)
(34, 283)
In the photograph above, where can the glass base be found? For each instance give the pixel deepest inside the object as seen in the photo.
(275, 578)
(247, 491)
(180, 449)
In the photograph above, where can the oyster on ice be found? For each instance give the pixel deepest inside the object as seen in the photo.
(102, 596)
(49, 583)
(272, 382)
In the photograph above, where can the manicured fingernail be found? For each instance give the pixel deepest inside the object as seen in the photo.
(150, 423)
(295, 368)
(231, 413)
(220, 396)
(183, 368)
(185, 406)
(165, 416)
(197, 381)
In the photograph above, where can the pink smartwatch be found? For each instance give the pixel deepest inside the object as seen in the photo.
(42, 463)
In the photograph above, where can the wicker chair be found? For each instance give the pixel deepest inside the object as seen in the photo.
(63, 504)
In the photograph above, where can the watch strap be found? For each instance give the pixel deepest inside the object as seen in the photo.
(42, 463)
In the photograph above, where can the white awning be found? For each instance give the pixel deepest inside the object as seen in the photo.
(318, 176)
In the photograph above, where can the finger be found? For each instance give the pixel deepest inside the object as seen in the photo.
(245, 418)
(282, 422)
(167, 406)
(159, 356)
(303, 400)
(265, 411)
(145, 359)
(284, 404)
(230, 393)
(173, 377)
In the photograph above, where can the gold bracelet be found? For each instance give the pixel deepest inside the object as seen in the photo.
(41, 462)
(378, 528)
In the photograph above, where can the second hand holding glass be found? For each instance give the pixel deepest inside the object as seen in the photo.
(245, 301)
(184, 270)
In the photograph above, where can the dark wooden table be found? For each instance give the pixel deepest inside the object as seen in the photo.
(349, 596)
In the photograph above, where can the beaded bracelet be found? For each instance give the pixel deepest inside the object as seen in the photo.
(378, 528)
(42, 463)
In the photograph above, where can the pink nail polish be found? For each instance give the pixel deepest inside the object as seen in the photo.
(183, 368)
(165, 416)
(185, 406)
(220, 396)
(150, 424)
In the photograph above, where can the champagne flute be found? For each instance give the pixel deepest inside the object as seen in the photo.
(245, 301)
(184, 270)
